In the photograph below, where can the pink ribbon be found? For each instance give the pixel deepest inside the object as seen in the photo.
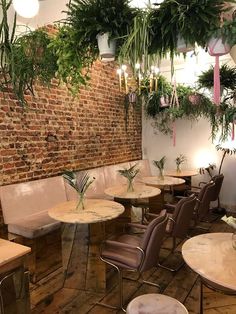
(217, 81)
(232, 132)
(174, 133)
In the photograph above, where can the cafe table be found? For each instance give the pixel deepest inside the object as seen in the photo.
(83, 231)
(121, 195)
(184, 174)
(161, 183)
(213, 257)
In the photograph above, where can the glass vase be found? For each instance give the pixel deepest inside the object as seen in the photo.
(178, 168)
(161, 174)
(130, 187)
(234, 239)
(80, 204)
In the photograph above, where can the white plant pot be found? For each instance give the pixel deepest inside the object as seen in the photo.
(216, 47)
(182, 47)
(107, 48)
(233, 53)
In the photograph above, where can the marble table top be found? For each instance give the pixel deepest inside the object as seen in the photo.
(140, 191)
(182, 173)
(10, 251)
(166, 181)
(96, 210)
(155, 303)
(212, 256)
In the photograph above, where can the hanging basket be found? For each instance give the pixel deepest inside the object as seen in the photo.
(216, 47)
(233, 53)
(107, 48)
(182, 47)
(195, 98)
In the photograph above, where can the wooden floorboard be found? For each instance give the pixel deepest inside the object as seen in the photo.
(47, 297)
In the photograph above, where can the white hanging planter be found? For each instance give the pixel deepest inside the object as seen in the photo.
(182, 47)
(216, 47)
(107, 48)
(233, 53)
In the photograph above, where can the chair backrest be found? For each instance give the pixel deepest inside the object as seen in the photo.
(182, 216)
(152, 241)
(218, 180)
(204, 198)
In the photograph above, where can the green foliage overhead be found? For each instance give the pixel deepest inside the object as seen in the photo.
(188, 19)
(74, 57)
(91, 17)
(227, 78)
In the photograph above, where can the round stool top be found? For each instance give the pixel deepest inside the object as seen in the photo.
(155, 304)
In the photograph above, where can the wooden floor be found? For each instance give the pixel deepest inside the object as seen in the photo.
(183, 285)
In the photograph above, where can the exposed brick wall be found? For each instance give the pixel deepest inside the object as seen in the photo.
(57, 132)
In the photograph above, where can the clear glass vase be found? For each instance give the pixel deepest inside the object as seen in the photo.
(130, 187)
(80, 204)
(234, 239)
(178, 168)
(161, 174)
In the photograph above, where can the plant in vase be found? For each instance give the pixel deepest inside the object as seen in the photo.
(160, 165)
(180, 160)
(130, 174)
(80, 183)
(231, 221)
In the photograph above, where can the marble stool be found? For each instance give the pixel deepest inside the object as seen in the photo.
(155, 304)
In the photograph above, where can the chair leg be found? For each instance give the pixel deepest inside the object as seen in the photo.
(120, 286)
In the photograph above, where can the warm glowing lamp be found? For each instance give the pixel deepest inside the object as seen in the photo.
(26, 8)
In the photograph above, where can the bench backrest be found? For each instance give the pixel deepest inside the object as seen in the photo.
(23, 199)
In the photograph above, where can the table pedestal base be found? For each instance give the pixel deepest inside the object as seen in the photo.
(83, 268)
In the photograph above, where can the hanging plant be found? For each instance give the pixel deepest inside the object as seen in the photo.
(188, 19)
(227, 78)
(74, 58)
(24, 59)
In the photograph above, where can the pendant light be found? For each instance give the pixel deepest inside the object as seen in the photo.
(26, 8)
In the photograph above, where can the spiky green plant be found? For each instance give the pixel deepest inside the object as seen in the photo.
(130, 174)
(160, 163)
(80, 182)
(180, 160)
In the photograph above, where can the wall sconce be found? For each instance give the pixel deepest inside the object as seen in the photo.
(26, 8)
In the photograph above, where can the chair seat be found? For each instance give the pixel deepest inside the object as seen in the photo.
(125, 258)
(155, 304)
(34, 226)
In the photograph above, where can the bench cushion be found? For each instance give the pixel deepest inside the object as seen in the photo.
(34, 226)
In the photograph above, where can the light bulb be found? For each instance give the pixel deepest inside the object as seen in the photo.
(26, 8)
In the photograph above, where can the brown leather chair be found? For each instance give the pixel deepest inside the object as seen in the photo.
(134, 253)
(179, 222)
(205, 196)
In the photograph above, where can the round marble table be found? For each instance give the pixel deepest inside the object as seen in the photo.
(96, 210)
(155, 304)
(182, 173)
(161, 183)
(82, 234)
(212, 256)
(140, 191)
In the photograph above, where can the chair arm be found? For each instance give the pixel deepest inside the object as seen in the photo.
(136, 225)
(121, 245)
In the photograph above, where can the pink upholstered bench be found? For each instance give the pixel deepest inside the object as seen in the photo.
(24, 207)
